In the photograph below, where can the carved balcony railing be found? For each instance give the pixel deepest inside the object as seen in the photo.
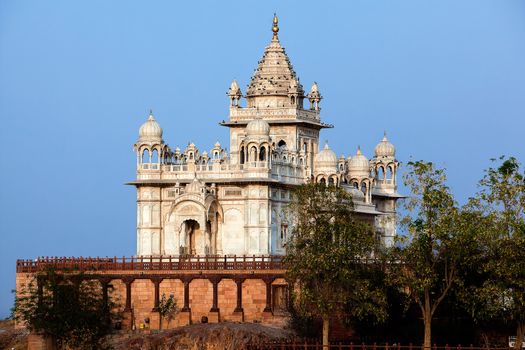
(167, 263)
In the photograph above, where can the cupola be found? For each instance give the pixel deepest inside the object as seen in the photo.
(326, 160)
(358, 165)
(315, 97)
(258, 127)
(150, 131)
(235, 94)
(385, 148)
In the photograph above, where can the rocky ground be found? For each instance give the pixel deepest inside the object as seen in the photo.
(11, 338)
(223, 336)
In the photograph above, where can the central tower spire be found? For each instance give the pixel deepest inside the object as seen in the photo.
(274, 81)
(275, 28)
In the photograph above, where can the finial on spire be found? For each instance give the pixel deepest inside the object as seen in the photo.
(359, 150)
(384, 137)
(275, 28)
(150, 116)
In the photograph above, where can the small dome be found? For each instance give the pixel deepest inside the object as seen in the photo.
(358, 165)
(326, 160)
(258, 127)
(150, 130)
(234, 89)
(385, 148)
(314, 92)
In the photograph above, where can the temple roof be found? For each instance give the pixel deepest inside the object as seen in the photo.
(274, 75)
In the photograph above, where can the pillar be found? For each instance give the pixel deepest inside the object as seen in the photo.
(186, 307)
(215, 304)
(156, 283)
(127, 317)
(185, 312)
(239, 282)
(105, 283)
(128, 283)
(214, 315)
(268, 282)
(238, 313)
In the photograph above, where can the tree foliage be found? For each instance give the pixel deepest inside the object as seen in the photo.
(425, 261)
(494, 287)
(72, 311)
(168, 309)
(328, 256)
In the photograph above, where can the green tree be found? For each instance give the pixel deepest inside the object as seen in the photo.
(425, 260)
(496, 287)
(71, 310)
(328, 257)
(168, 309)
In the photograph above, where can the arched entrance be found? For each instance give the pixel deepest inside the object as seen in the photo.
(192, 237)
(194, 226)
(213, 243)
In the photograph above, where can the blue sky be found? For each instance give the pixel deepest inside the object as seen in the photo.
(445, 78)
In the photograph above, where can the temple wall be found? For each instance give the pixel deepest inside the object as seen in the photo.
(143, 314)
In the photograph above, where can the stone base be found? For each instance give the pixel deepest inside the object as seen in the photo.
(237, 316)
(184, 318)
(267, 317)
(39, 342)
(127, 321)
(154, 320)
(214, 317)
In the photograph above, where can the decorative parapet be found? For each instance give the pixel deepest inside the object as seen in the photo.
(168, 263)
(247, 114)
(284, 171)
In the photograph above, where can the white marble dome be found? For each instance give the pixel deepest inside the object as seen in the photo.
(358, 165)
(385, 148)
(150, 130)
(258, 127)
(326, 160)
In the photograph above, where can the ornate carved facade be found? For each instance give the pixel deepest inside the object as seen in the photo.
(194, 202)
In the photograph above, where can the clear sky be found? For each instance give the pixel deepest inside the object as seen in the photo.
(445, 78)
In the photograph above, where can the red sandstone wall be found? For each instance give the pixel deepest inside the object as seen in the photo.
(118, 294)
(201, 299)
(227, 295)
(253, 300)
(176, 288)
(142, 301)
(22, 283)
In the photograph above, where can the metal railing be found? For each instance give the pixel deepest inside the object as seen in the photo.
(165, 263)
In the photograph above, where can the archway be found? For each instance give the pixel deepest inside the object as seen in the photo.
(193, 237)
(214, 219)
